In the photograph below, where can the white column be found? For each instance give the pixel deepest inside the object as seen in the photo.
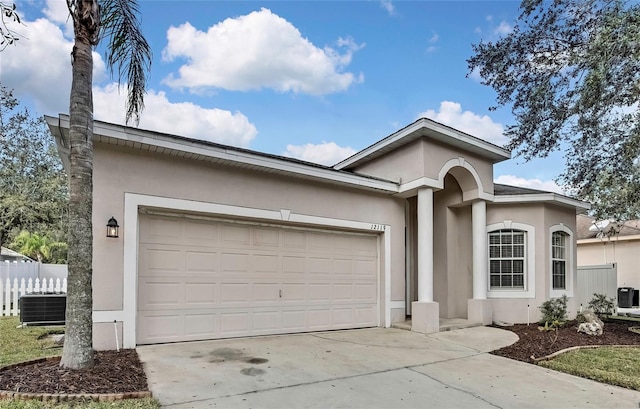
(480, 249)
(425, 245)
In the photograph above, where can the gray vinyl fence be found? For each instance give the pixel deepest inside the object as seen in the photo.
(600, 279)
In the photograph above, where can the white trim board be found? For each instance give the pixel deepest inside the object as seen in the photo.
(133, 201)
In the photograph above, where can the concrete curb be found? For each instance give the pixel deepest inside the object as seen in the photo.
(562, 351)
(66, 397)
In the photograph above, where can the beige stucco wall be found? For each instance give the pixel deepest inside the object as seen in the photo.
(119, 170)
(425, 158)
(541, 217)
(625, 253)
(401, 165)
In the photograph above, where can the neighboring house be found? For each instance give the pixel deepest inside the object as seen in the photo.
(611, 242)
(217, 241)
(10, 255)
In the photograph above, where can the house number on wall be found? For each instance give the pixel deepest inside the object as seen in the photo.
(377, 227)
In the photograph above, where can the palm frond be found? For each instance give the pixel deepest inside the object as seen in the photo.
(127, 49)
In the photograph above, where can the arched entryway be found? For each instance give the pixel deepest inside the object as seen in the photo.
(446, 247)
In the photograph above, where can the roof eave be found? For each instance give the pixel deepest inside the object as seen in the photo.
(578, 205)
(59, 128)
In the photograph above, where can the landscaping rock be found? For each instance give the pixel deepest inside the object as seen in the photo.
(591, 325)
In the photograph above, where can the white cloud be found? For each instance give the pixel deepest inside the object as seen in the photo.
(325, 153)
(482, 127)
(433, 40)
(546, 185)
(388, 6)
(21, 69)
(182, 118)
(57, 12)
(503, 28)
(255, 51)
(475, 74)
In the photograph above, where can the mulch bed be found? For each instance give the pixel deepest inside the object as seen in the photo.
(113, 372)
(534, 344)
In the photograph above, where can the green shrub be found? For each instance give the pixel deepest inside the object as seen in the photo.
(554, 312)
(601, 305)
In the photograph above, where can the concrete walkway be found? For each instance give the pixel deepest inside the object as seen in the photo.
(370, 368)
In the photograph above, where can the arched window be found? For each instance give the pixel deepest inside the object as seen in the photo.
(561, 267)
(559, 247)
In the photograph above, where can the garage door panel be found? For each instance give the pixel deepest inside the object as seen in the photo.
(202, 261)
(294, 265)
(343, 292)
(365, 268)
(320, 266)
(294, 240)
(201, 325)
(266, 292)
(235, 262)
(161, 230)
(200, 234)
(236, 235)
(264, 237)
(161, 327)
(234, 323)
(235, 293)
(294, 320)
(319, 319)
(365, 292)
(220, 280)
(201, 293)
(294, 292)
(158, 293)
(266, 321)
(319, 292)
(162, 259)
(264, 263)
(342, 317)
(343, 267)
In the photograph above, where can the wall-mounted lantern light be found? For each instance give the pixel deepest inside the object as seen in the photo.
(112, 227)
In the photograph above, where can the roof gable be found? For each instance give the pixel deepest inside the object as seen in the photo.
(428, 128)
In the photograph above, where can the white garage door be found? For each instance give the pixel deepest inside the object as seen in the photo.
(214, 279)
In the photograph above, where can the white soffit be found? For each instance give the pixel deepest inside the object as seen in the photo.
(185, 147)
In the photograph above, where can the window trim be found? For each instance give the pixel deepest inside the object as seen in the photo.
(570, 248)
(529, 290)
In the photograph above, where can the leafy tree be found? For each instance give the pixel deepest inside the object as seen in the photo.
(116, 22)
(7, 14)
(33, 183)
(37, 246)
(570, 71)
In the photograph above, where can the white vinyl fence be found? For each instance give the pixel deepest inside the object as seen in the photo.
(11, 291)
(31, 269)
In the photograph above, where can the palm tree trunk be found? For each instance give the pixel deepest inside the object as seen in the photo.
(78, 350)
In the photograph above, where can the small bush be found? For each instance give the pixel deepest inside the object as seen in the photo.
(554, 312)
(601, 305)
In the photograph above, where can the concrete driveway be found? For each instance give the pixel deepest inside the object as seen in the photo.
(369, 368)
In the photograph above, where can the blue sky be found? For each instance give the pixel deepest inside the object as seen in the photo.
(316, 80)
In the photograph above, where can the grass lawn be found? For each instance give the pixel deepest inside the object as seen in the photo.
(615, 366)
(23, 344)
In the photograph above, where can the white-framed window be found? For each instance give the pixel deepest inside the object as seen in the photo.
(511, 251)
(559, 260)
(507, 259)
(561, 265)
